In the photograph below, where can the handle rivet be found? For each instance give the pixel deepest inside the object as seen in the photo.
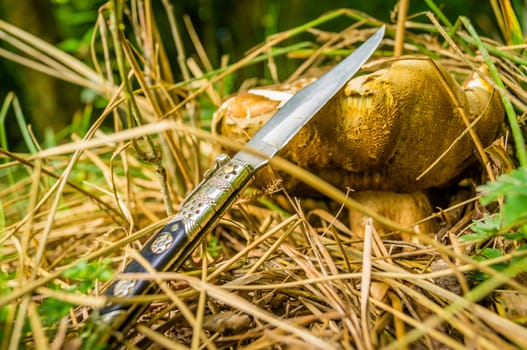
(123, 288)
(228, 169)
(162, 242)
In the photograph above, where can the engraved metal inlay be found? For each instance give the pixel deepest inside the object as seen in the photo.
(217, 187)
(204, 197)
(162, 242)
(219, 183)
(229, 168)
(174, 227)
(191, 227)
(123, 288)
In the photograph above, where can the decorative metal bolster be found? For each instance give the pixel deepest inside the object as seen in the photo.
(220, 186)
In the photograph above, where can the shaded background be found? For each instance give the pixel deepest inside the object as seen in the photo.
(225, 27)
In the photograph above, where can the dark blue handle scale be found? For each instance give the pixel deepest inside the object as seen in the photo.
(171, 246)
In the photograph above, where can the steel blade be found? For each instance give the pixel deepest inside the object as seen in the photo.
(291, 117)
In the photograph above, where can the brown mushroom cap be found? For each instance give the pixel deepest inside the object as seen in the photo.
(384, 129)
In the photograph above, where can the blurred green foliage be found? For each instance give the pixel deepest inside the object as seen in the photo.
(225, 27)
(230, 27)
(83, 276)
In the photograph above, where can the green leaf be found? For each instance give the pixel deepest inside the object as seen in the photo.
(515, 236)
(513, 188)
(214, 248)
(84, 271)
(516, 35)
(484, 229)
(76, 272)
(475, 236)
(87, 273)
(515, 210)
(489, 253)
(4, 283)
(512, 184)
(52, 310)
(517, 259)
(70, 45)
(477, 276)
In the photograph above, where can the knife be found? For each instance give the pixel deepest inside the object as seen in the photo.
(203, 207)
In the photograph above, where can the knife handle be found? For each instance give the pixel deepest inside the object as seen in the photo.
(170, 247)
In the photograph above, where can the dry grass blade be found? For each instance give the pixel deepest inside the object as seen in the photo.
(402, 12)
(160, 339)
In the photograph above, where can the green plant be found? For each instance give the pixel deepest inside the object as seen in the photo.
(510, 223)
(510, 190)
(513, 188)
(84, 275)
(214, 247)
(6, 311)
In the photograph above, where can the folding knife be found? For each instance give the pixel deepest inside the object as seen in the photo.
(204, 206)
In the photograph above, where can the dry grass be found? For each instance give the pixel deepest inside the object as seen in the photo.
(280, 279)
